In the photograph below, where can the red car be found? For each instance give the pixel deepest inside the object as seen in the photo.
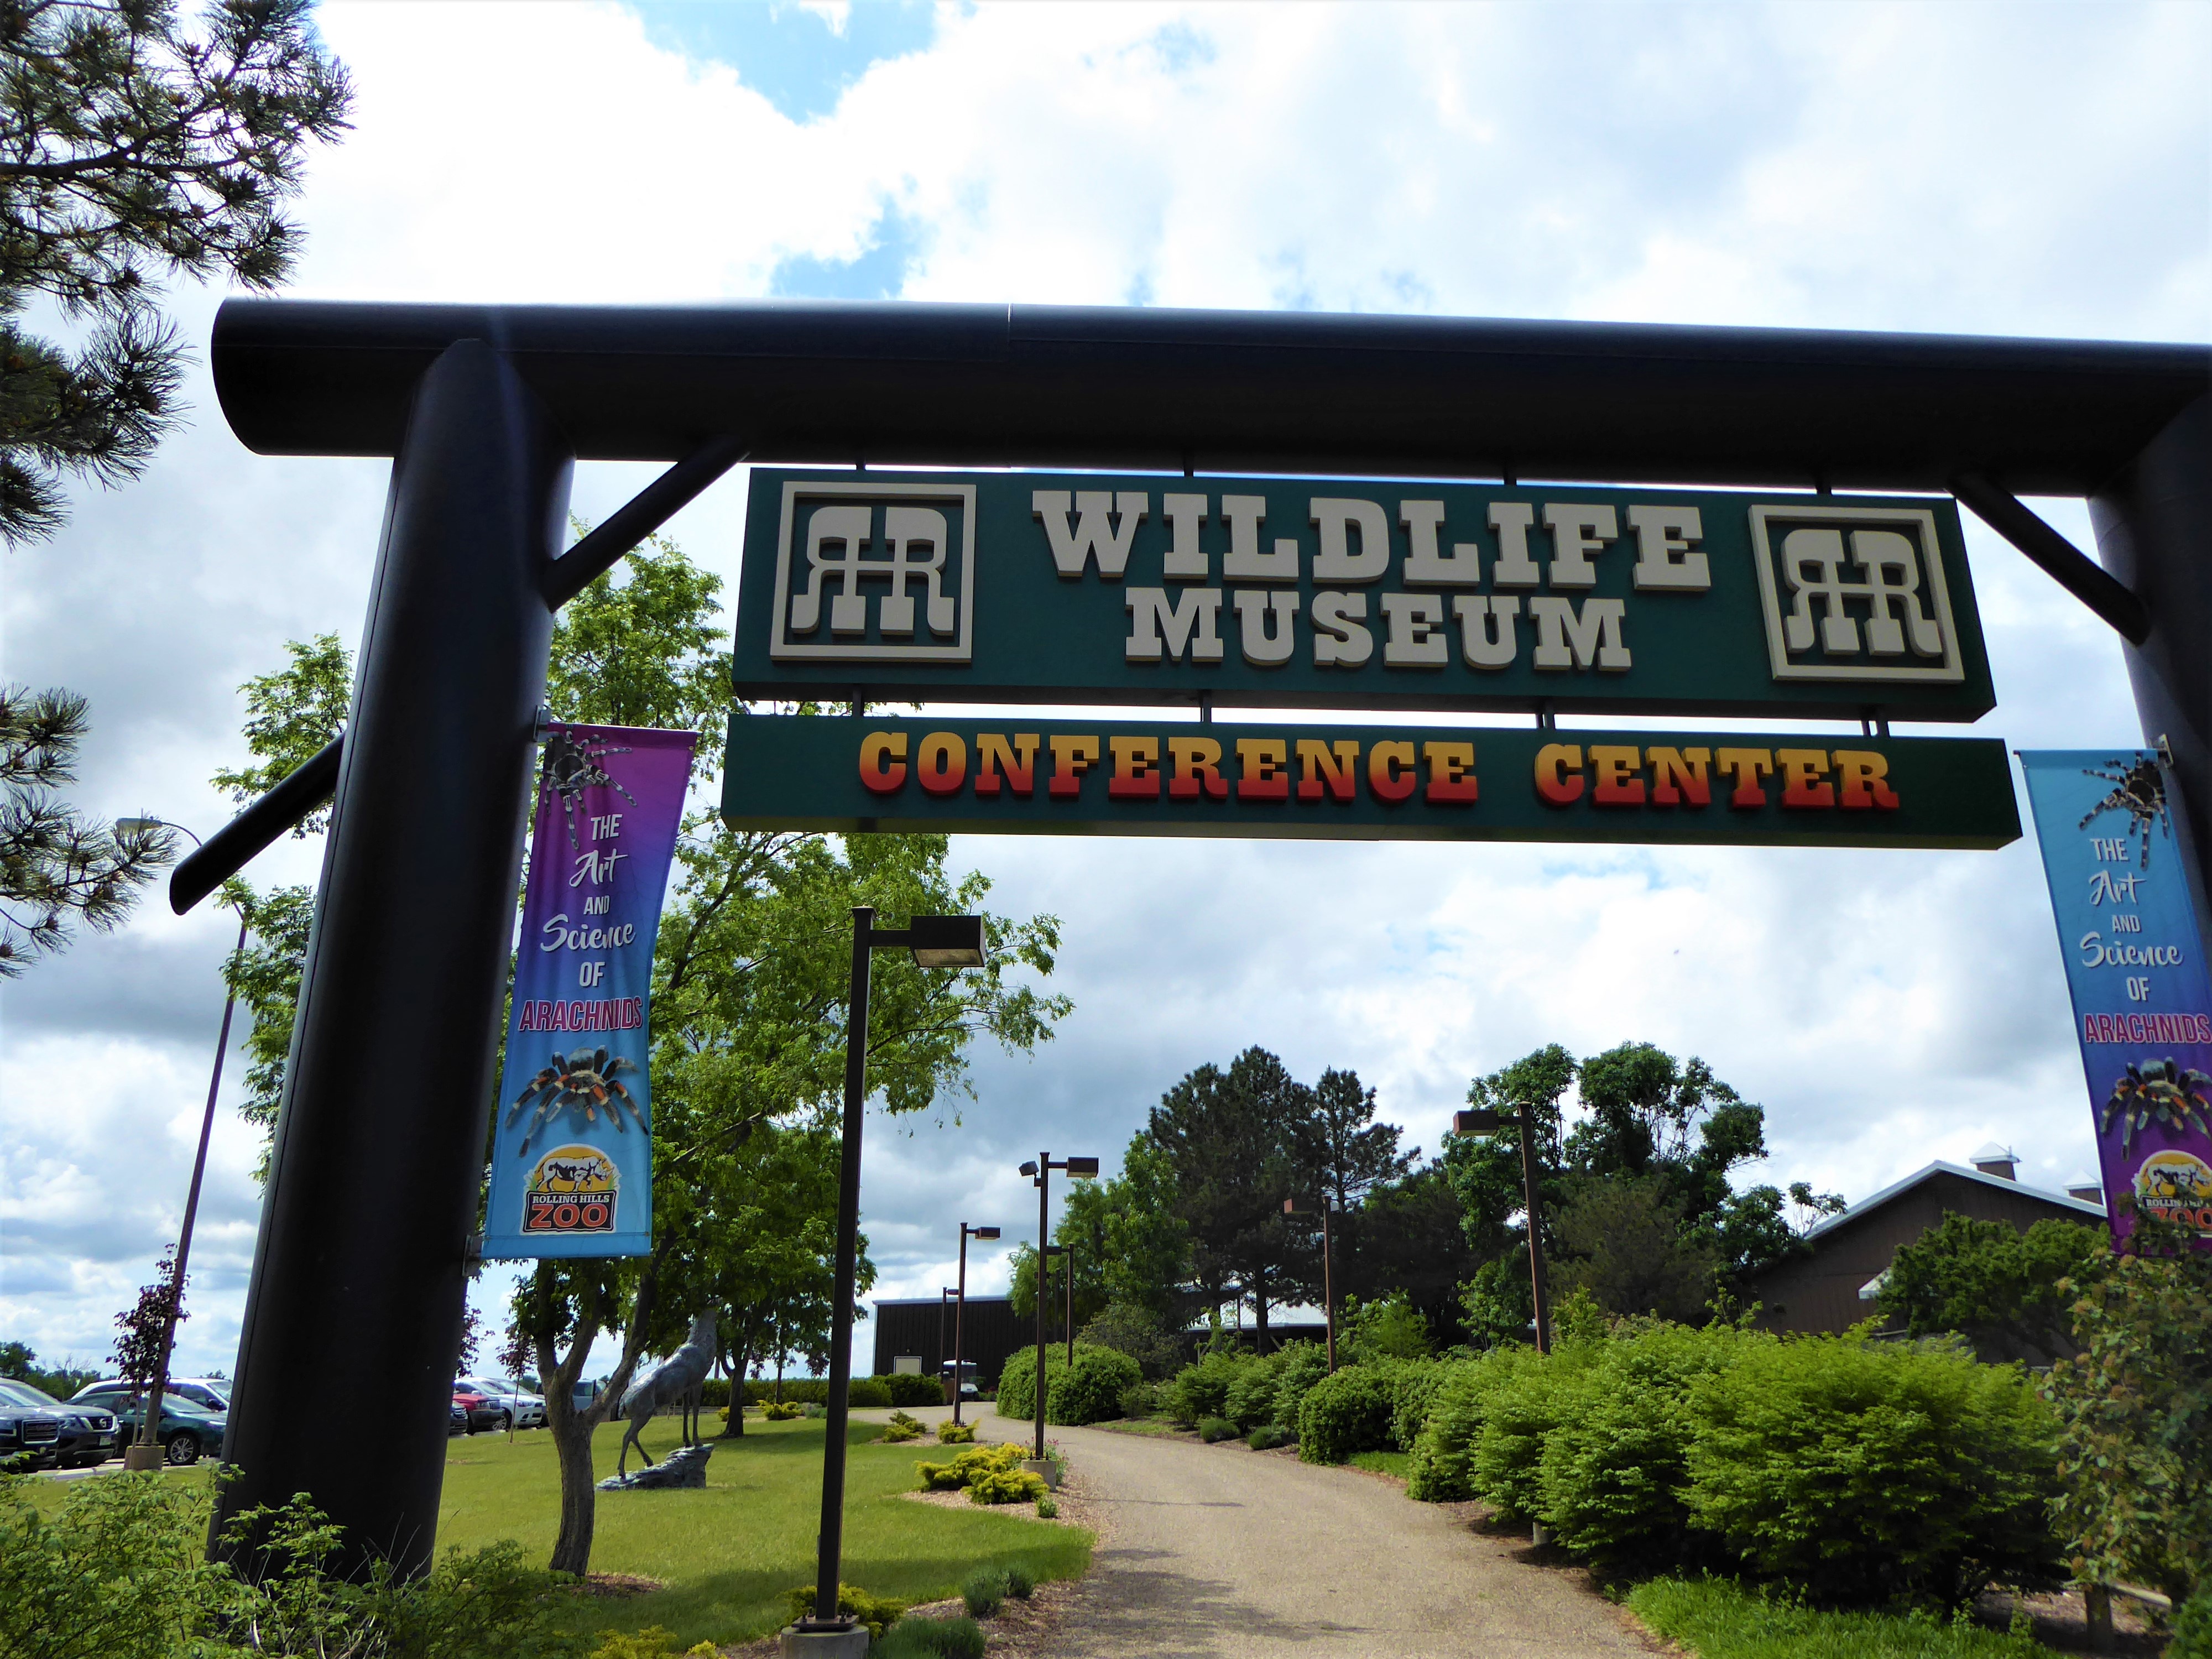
(484, 1413)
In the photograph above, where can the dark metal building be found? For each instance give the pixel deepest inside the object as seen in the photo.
(1834, 1287)
(921, 1327)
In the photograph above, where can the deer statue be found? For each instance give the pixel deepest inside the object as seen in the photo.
(669, 1383)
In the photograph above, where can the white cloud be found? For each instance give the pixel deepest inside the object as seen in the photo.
(1963, 169)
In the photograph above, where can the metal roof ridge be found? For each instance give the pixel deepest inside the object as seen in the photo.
(1941, 1166)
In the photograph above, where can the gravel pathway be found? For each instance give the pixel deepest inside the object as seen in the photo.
(1219, 1552)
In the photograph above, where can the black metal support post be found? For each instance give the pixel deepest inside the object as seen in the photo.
(832, 1537)
(1044, 1227)
(959, 1320)
(1328, 1282)
(1532, 1196)
(410, 948)
(1068, 1273)
(2154, 524)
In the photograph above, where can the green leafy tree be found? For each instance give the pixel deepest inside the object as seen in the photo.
(58, 866)
(290, 716)
(1624, 1240)
(645, 650)
(134, 149)
(1233, 1137)
(1412, 1238)
(1996, 1285)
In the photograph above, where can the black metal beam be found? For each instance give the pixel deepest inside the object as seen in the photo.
(227, 851)
(895, 383)
(603, 547)
(2066, 564)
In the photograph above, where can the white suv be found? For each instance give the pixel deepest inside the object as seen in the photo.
(529, 1408)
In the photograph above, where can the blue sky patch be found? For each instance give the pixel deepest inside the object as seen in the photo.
(788, 54)
(877, 272)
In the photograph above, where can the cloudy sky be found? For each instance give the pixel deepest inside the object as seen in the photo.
(2042, 170)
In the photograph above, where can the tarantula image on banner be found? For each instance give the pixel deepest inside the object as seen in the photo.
(585, 1081)
(2160, 1088)
(572, 766)
(2140, 793)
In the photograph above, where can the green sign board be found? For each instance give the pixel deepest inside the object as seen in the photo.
(1370, 782)
(1298, 593)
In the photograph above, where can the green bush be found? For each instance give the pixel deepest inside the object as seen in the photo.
(1527, 1406)
(1267, 1436)
(950, 1433)
(1019, 1584)
(877, 1613)
(1213, 1429)
(983, 1590)
(1092, 1391)
(1868, 1471)
(1138, 1400)
(902, 1428)
(654, 1641)
(1015, 1485)
(2192, 1628)
(957, 1638)
(1613, 1474)
(1412, 1384)
(1201, 1390)
(911, 1388)
(1348, 1411)
(969, 1466)
(1047, 1509)
(1304, 1365)
(1018, 1380)
(714, 1393)
(865, 1392)
(783, 1413)
(1249, 1399)
(799, 1390)
(1443, 1452)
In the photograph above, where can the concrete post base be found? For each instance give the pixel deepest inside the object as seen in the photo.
(798, 1644)
(137, 1459)
(1046, 1468)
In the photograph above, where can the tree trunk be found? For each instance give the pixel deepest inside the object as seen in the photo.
(572, 1444)
(735, 1428)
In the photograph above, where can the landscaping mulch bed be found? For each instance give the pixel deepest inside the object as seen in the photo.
(2063, 1622)
(618, 1586)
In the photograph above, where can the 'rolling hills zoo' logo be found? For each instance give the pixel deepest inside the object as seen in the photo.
(2177, 1188)
(572, 1190)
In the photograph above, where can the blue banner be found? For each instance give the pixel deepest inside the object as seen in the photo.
(572, 1151)
(2135, 963)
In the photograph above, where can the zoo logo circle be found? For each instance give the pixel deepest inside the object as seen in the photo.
(571, 1190)
(2176, 1187)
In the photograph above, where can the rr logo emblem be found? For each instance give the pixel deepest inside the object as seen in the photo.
(926, 552)
(1854, 594)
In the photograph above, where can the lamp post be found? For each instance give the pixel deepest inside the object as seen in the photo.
(960, 1307)
(935, 942)
(1327, 1273)
(1065, 1254)
(1489, 1122)
(1040, 1175)
(145, 1454)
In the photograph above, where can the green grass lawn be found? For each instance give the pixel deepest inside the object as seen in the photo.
(1397, 1464)
(728, 1554)
(1718, 1618)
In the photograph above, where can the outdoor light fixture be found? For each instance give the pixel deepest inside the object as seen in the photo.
(1482, 1122)
(945, 941)
(1040, 1175)
(936, 942)
(145, 1452)
(960, 1307)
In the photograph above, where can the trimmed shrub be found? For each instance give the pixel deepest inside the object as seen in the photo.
(1092, 1391)
(1267, 1436)
(1612, 1475)
(969, 1465)
(714, 1393)
(1443, 1469)
(912, 1389)
(803, 1390)
(774, 1413)
(1017, 1379)
(1201, 1390)
(1212, 1429)
(957, 1638)
(1015, 1485)
(1868, 1471)
(1343, 1413)
(1304, 1365)
(877, 1613)
(1527, 1405)
(1412, 1384)
(982, 1591)
(900, 1428)
(1138, 1400)
(1047, 1509)
(1249, 1399)
(1020, 1584)
(865, 1392)
(950, 1433)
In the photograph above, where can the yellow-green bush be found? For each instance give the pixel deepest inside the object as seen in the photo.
(950, 1433)
(968, 1466)
(1015, 1485)
(877, 1613)
(902, 1427)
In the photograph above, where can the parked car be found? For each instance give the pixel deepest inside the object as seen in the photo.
(87, 1435)
(529, 1408)
(30, 1425)
(186, 1430)
(459, 1422)
(583, 1393)
(484, 1413)
(208, 1392)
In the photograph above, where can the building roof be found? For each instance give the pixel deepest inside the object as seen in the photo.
(931, 1301)
(1928, 1172)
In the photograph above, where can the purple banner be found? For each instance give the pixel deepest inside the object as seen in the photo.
(572, 1154)
(2135, 964)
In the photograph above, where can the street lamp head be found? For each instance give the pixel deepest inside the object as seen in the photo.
(1481, 1122)
(983, 1232)
(946, 941)
(137, 826)
(1030, 1169)
(1083, 1166)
